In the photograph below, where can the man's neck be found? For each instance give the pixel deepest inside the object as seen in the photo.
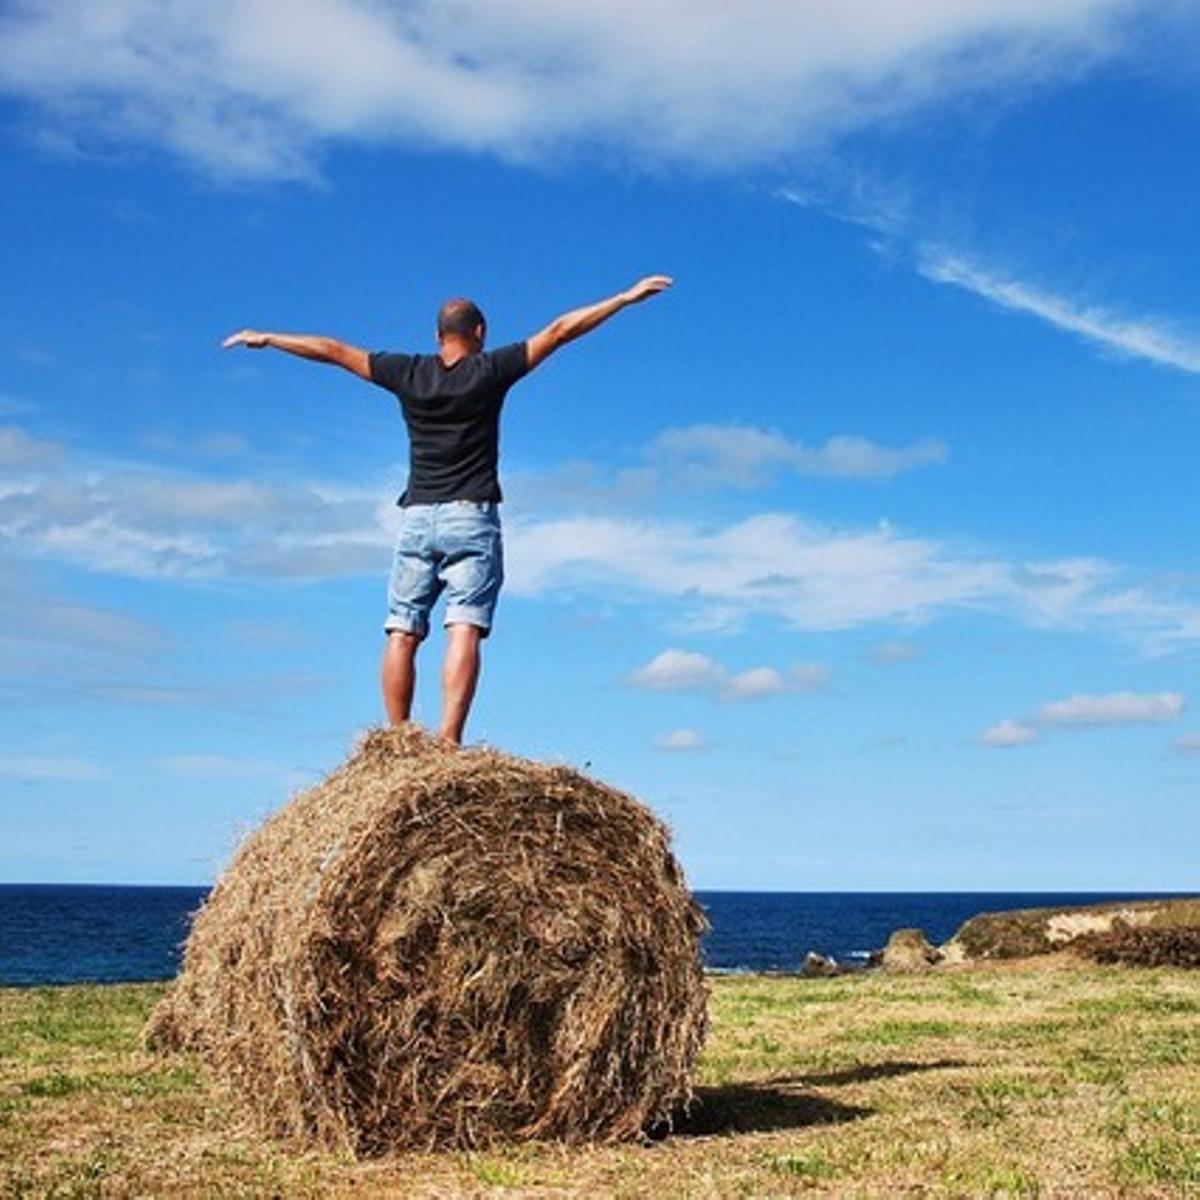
(453, 350)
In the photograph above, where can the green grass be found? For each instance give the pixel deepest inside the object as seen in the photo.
(813, 1165)
(902, 1033)
(1009, 1081)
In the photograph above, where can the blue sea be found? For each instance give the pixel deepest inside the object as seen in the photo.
(59, 933)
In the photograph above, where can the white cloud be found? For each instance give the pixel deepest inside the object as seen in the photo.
(686, 670)
(1150, 338)
(858, 458)
(1088, 711)
(1115, 708)
(780, 565)
(32, 767)
(126, 520)
(1005, 734)
(751, 684)
(256, 89)
(677, 670)
(681, 740)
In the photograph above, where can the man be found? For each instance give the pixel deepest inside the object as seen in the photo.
(450, 522)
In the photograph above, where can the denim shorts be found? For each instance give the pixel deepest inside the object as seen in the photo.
(454, 546)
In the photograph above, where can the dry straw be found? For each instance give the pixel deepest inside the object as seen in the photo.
(448, 948)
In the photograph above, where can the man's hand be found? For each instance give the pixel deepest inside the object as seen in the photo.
(579, 321)
(306, 345)
(645, 288)
(245, 337)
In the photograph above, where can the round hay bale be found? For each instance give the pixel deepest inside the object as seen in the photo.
(439, 947)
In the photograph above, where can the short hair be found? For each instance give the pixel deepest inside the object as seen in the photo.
(460, 318)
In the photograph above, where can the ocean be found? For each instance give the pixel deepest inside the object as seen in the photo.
(67, 933)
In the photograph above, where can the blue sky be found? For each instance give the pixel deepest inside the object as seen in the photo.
(866, 555)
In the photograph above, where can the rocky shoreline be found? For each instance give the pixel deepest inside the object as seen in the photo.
(1135, 932)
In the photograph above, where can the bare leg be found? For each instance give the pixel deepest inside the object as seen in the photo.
(460, 674)
(399, 675)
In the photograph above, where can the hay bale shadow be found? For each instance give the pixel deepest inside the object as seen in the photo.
(760, 1108)
(786, 1103)
(867, 1072)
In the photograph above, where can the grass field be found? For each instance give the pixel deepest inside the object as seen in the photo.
(1041, 1079)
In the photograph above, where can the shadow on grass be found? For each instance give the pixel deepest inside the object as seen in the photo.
(866, 1072)
(787, 1103)
(760, 1108)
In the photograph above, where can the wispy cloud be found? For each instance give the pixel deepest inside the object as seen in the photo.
(1187, 745)
(1084, 711)
(747, 456)
(780, 565)
(55, 648)
(679, 740)
(126, 520)
(1151, 338)
(216, 443)
(710, 457)
(31, 768)
(19, 449)
(257, 89)
(1115, 708)
(248, 694)
(893, 653)
(135, 522)
(1008, 733)
(14, 406)
(220, 766)
(900, 232)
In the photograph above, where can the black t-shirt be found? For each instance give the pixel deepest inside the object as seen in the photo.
(453, 418)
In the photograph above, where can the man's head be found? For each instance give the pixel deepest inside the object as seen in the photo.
(462, 321)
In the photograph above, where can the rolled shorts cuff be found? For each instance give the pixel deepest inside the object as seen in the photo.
(406, 622)
(470, 614)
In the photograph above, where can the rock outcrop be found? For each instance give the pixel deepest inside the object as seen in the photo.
(1165, 932)
(817, 966)
(1030, 931)
(909, 950)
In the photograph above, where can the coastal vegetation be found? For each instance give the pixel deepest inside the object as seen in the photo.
(1045, 1077)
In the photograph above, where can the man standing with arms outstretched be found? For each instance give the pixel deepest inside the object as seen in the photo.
(450, 518)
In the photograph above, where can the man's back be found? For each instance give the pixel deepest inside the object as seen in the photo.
(453, 418)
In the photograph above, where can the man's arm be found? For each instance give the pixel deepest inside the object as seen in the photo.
(579, 321)
(318, 349)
